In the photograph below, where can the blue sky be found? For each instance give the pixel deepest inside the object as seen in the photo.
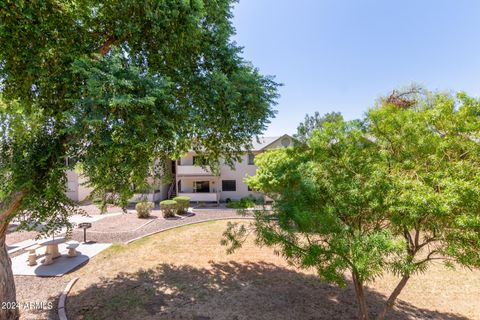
(339, 55)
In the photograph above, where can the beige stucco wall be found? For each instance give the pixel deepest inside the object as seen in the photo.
(187, 160)
(76, 190)
(238, 173)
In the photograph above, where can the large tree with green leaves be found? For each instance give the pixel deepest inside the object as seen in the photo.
(116, 86)
(392, 192)
(316, 121)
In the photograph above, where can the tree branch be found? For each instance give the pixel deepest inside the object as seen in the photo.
(106, 46)
(8, 208)
(417, 236)
(408, 237)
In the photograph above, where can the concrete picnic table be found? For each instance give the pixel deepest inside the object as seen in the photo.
(52, 246)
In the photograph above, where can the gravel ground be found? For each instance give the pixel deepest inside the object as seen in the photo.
(18, 236)
(45, 290)
(93, 209)
(116, 225)
(38, 296)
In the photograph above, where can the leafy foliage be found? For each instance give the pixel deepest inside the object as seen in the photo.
(182, 204)
(329, 203)
(169, 207)
(244, 203)
(118, 87)
(393, 191)
(433, 155)
(315, 122)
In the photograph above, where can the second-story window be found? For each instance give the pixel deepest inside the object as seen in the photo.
(251, 158)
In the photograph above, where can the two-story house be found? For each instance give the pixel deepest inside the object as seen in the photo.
(201, 185)
(192, 180)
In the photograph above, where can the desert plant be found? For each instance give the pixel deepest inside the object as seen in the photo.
(168, 208)
(182, 204)
(144, 209)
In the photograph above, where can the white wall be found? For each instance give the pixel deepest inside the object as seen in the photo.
(76, 190)
(187, 160)
(239, 173)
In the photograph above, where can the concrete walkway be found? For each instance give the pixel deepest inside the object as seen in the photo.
(60, 265)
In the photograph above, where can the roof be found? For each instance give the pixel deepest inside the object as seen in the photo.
(261, 143)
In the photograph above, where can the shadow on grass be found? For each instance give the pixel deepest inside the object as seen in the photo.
(227, 291)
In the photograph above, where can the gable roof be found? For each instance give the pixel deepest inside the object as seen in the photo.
(260, 143)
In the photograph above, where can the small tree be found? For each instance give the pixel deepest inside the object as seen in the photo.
(392, 192)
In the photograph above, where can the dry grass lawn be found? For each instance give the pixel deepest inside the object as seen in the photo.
(185, 274)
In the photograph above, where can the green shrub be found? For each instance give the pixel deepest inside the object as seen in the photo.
(182, 204)
(144, 208)
(260, 201)
(168, 208)
(244, 203)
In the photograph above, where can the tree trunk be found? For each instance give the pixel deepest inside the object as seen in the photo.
(8, 298)
(8, 309)
(362, 303)
(391, 300)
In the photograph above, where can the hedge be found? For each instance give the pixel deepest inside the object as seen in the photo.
(182, 204)
(168, 208)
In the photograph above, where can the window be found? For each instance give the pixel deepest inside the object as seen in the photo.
(249, 189)
(251, 158)
(229, 185)
(285, 142)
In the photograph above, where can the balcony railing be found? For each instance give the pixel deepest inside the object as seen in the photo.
(201, 196)
(192, 170)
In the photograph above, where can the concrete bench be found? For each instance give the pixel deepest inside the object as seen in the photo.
(72, 248)
(32, 255)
